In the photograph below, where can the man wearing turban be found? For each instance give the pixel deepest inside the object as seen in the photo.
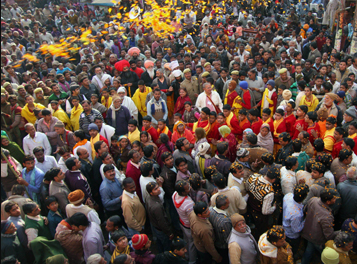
(150, 73)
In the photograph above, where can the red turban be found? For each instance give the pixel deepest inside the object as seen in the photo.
(132, 50)
(121, 64)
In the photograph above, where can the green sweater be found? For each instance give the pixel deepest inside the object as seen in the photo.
(43, 230)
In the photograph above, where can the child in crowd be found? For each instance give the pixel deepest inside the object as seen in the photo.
(54, 214)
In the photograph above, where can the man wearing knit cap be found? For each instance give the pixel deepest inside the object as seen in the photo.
(284, 78)
(128, 102)
(76, 199)
(141, 244)
(203, 234)
(191, 84)
(340, 100)
(95, 137)
(64, 136)
(208, 68)
(246, 95)
(242, 246)
(349, 116)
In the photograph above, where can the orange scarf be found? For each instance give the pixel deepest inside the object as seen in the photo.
(80, 143)
(165, 131)
(241, 123)
(276, 125)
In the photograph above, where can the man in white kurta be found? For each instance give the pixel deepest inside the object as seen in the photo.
(209, 98)
(128, 102)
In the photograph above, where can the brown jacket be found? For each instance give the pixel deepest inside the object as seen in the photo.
(318, 227)
(343, 255)
(203, 235)
(49, 131)
(133, 211)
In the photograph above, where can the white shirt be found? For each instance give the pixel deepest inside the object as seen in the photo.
(118, 175)
(62, 164)
(335, 86)
(143, 182)
(129, 103)
(48, 163)
(92, 215)
(40, 140)
(107, 132)
(329, 175)
(88, 147)
(202, 99)
(48, 37)
(288, 180)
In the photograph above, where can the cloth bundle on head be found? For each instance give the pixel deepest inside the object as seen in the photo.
(330, 256)
(59, 124)
(167, 66)
(139, 241)
(5, 224)
(242, 152)
(271, 82)
(105, 77)
(76, 197)
(174, 64)
(322, 113)
(203, 148)
(148, 63)
(177, 73)
(287, 94)
(351, 112)
(93, 127)
(224, 130)
(306, 26)
(119, 66)
(133, 50)
(178, 123)
(235, 218)
(332, 96)
(243, 85)
(235, 73)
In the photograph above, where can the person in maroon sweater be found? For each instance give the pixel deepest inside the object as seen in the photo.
(150, 129)
(300, 124)
(253, 115)
(133, 170)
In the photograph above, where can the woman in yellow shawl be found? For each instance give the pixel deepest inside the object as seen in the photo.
(75, 113)
(27, 111)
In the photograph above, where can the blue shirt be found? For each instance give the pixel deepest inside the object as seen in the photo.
(110, 191)
(38, 180)
(54, 218)
(293, 216)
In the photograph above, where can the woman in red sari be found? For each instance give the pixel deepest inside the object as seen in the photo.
(313, 127)
(227, 136)
(180, 103)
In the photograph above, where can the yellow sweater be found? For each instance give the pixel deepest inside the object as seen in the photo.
(139, 99)
(311, 105)
(329, 140)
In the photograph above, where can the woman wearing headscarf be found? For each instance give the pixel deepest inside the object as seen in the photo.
(15, 150)
(244, 143)
(227, 136)
(265, 139)
(180, 131)
(203, 158)
(165, 146)
(10, 244)
(200, 135)
(70, 241)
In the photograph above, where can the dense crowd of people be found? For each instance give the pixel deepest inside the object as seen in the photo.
(231, 139)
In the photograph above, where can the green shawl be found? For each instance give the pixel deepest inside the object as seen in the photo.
(15, 151)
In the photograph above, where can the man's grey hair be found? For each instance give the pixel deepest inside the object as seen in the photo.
(205, 85)
(94, 259)
(351, 173)
(221, 200)
(342, 239)
(160, 70)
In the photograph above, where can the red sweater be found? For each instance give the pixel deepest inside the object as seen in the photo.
(246, 96)
(256, 126)
(337, 147)
(290, 121)
(302, 123)
(134, 173)
(153, 132)
(138, 71)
